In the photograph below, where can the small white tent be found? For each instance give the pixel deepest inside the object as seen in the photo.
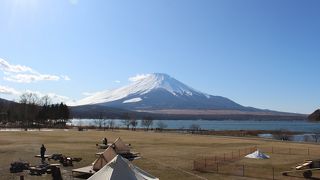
(257, 155)
(121, 169)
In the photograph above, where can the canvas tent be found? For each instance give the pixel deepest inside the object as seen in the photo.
(104, 158)
(120, 147)
(257, 155)
(120, 169)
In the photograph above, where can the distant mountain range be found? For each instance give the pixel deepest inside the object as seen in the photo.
(164, 97)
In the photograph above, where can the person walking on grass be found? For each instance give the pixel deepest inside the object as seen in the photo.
(42, 152)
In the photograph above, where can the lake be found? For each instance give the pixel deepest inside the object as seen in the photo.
(299, 126)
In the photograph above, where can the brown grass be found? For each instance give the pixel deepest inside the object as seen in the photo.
(165, 155)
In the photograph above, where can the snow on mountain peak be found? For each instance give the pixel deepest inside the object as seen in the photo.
(162, 81)
(142, 84)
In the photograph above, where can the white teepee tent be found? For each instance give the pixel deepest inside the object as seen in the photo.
(121, 169)
(257, 155)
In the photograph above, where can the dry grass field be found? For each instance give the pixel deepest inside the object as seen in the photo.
(168, 156)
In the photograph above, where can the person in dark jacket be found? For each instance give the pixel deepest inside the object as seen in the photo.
(42, 152)
(105, 141)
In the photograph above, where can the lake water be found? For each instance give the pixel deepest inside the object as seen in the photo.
(299, 126)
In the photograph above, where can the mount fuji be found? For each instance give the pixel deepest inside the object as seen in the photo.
(159, 91)
(167, 98)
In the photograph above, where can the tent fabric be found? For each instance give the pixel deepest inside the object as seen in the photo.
(121, 169)
(257, 155)
(104, 159)
(120, 146)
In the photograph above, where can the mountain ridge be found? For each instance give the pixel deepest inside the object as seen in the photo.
(160, 91)
(164, 97)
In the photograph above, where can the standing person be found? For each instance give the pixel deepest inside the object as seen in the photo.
(42, 152)
(105, 141)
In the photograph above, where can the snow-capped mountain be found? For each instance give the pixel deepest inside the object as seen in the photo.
(159, 91)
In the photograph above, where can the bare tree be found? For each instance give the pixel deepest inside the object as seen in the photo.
(133, 123)
(147, 122)
(126, 120)
(194, 127)
(316, 135)
(161, 125)
(29, 102)
(45, 101)
(111, 124)
(104, 121)
(99, 121)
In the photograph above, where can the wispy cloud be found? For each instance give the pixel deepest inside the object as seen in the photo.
(117, 81)
(56, 98)
(24, 74)
(138, 77)
(6, 67)
(66, 78)
(8, 90)
(28, 78)
(88, 93)
(93, 93)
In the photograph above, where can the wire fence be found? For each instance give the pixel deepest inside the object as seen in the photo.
(211, 163)
(290, 151)
(222, 164)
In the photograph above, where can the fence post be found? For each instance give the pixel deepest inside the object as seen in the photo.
(205, 162)
(243, 170)
(194, 164)
(273, 173)
(217, 167)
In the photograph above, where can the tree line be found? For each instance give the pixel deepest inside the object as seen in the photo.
(32, 111)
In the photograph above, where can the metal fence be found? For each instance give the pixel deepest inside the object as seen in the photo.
(222, 164)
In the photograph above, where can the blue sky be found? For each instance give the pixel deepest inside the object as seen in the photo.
(258, 53)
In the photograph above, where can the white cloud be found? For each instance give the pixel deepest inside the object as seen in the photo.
(117, 81)
(92, 93)
(88, 93)
(6, 67)
(28, 78)
(8, 90)
(66, 78)
(138, 77)
(24, 74)
(56, 98)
